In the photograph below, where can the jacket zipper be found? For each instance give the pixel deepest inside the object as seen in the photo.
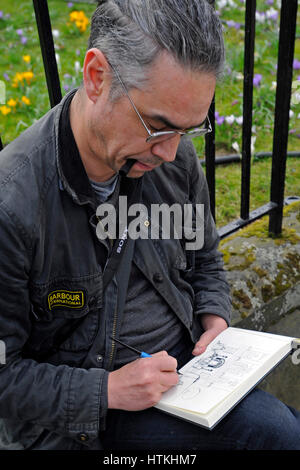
(113, 344)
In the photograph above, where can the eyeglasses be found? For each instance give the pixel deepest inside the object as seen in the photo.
(162, 135)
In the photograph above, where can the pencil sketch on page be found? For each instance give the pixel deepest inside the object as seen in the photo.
(209, 378)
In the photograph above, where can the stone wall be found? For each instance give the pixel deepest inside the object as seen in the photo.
(264, 276)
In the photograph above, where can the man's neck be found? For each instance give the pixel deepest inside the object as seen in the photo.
(81, 132)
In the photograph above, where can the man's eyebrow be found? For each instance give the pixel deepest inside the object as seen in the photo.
(167, 123)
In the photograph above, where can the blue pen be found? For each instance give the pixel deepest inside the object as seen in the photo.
(140, 353)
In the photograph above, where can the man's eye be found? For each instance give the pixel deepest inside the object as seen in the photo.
(155, 128)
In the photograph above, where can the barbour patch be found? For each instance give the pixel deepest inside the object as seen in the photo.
(66, 298)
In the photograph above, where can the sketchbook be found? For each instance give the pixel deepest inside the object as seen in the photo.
(216, 381)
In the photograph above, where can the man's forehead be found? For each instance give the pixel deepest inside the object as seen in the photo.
(177, 97)
(167, 75)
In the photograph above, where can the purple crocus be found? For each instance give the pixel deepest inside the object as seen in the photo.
(1, 14)
(20, 32)
(296, 64)
(230, 23)
(257, 79)
(219, 119)
(233, 24)
(260, 16)
(272, 14)
(70, 4)
(24, 39)
(6, 77)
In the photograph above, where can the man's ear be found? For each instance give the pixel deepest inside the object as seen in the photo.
(95, 74)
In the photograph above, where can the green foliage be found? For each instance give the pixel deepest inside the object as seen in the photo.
(228, 186)
(19, 37)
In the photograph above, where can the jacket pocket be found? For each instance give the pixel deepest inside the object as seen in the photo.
(64, 315)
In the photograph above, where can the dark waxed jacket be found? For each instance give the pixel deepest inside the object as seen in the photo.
(53, 386)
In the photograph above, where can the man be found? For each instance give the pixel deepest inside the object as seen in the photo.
(68, 292)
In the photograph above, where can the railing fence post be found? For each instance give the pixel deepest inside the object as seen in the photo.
(48, 52)
(210, 155)
(247, 106)
(287, 35)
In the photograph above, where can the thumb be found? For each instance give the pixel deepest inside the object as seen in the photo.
(205, 339)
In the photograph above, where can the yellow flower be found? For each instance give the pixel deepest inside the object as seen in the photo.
(5, 110)
(25, 100)
(80, 19)
(12, 103)
(74, 15)
(20, 77)
(28, 76)
(17, 79)
(26, 58)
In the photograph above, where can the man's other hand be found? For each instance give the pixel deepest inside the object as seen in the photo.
(213, 325)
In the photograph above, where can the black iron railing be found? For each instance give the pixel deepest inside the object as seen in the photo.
(287, 33)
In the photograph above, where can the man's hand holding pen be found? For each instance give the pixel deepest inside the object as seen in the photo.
(141, 383)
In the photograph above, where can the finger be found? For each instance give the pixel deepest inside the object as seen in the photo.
(160, 353)
(168, 380)
(164, 361)
(205, 339)
(167, 364)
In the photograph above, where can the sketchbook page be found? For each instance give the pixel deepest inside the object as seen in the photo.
(228, 362)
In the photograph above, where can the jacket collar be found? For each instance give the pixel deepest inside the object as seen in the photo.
(73, 176)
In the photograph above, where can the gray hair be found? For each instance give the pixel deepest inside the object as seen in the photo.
(132, 33)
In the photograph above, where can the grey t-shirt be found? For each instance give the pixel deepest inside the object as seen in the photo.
(104, 189)
(151, 330)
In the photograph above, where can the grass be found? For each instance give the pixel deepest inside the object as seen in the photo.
(229, 92)
(228, 186)
(28, 100)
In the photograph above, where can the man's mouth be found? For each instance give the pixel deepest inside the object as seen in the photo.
(143, 166)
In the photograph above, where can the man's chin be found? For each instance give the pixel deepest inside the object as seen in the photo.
(135, 174)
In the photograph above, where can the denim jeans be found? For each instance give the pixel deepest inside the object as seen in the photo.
(259, 422)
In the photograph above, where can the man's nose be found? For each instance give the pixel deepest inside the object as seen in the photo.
(166, 149)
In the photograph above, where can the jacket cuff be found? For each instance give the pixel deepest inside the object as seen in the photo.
(225, 315)
(86, 404)
(213, 306)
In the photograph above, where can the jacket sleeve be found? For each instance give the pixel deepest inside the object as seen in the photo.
(212, 292)
(70, 401)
